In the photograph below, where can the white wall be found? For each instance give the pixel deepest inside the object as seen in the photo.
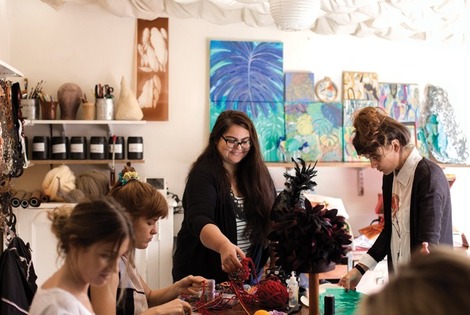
(86, 45)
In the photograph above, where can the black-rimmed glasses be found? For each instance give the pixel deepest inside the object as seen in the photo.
(232, 143)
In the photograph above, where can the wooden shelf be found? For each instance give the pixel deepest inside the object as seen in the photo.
(321, 164)
(348, 164)
(444, 165)
(82, 162)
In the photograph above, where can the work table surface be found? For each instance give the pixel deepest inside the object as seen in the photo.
(238, 310)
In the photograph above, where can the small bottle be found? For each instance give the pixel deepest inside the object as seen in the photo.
(209, 290)
(293, 288)
(329, 305)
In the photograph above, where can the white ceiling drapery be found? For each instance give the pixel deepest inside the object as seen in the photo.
(438, 20)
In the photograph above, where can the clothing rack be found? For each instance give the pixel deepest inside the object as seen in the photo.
(7, 218)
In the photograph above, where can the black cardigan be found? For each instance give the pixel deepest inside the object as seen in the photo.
(202, 206)
(430, 211)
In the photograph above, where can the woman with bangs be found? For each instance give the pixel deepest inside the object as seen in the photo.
(127, 293)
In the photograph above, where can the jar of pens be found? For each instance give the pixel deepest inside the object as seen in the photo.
(30, 101)
(104, 99)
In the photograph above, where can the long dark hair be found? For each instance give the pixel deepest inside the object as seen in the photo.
(253, 179)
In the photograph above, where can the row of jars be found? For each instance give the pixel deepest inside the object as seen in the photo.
(77, 148)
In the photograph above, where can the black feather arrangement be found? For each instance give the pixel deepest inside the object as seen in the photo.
(306, 238)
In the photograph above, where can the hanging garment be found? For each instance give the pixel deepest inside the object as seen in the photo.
(17, 278)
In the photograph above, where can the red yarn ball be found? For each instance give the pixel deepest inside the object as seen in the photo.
(272, 294)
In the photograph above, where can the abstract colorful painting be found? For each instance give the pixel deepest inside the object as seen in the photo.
(350, 107)
(248, 76)
(400, 100)
(300, 87)
(412, 127)
(360, 86)
(313, 131)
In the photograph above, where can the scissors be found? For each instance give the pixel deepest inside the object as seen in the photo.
(108, 90)
(98, 91)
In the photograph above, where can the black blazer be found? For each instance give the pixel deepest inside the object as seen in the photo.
(430, 211)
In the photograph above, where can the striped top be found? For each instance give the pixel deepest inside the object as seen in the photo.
(242, 240)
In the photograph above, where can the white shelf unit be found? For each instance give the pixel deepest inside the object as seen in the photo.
(63, 123)
(7, 71)
(33, 122)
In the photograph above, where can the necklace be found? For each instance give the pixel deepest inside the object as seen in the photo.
(237, 206)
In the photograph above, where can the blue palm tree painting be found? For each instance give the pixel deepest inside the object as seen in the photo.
(248, 76)
(313, 131)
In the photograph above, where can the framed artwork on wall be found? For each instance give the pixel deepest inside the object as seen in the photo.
(349, 108)
(255, 86)
(313, 131)
(400, 100)
(326, 90)
(412, 127)
(360, 86)
(152, 68)
(299, 87)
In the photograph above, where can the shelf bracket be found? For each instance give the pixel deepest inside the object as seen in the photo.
(360, 182)
(110, 130)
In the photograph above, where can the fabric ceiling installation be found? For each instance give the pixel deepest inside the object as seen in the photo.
(431, 20)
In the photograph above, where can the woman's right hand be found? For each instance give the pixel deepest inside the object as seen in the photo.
(230, 256)
(174, 307)
(351, 279)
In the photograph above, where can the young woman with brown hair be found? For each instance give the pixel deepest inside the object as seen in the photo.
(91, 238)
(416, 194)
(145, 206)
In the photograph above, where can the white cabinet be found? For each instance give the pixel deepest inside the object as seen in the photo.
(34, 227)
(155, 262)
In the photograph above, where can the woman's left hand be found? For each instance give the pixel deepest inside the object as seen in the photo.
(191, 285)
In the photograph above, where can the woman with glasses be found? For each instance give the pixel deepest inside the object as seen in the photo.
(416, 194)
(227, 203)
